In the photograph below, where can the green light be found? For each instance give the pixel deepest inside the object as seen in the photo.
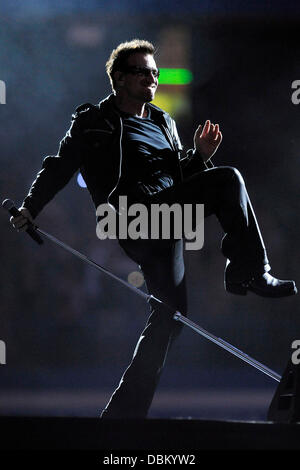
(175, 77)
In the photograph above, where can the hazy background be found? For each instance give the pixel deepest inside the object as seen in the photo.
(70, 331)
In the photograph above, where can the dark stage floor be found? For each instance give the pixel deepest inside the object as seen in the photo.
(36, 433)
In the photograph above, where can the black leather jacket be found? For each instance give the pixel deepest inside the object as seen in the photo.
(93, 145)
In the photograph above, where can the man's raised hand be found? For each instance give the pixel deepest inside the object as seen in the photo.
(207, 139)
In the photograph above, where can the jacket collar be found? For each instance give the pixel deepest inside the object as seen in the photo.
(109, 109)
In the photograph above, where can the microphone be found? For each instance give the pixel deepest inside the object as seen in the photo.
(9, 205)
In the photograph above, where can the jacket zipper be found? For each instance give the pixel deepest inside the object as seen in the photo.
(120, 159)
(167, 132)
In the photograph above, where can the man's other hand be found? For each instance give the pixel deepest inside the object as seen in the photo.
(22, 221)
(207, 139)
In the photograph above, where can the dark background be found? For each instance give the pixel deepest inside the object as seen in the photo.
(69, 331)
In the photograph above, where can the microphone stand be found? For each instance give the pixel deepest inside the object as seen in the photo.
(176, 315)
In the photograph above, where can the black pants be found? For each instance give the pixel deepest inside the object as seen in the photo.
(223, 193)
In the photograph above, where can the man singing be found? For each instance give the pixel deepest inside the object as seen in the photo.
(125, 146)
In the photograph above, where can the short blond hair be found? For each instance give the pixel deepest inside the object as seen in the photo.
(119, 56)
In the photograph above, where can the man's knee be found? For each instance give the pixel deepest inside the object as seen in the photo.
(232, 175)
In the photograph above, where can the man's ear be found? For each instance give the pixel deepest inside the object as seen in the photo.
(119, 78)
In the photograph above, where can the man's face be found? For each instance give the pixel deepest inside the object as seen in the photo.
(137, 82)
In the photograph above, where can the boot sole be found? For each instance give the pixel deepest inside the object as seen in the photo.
(239, 289)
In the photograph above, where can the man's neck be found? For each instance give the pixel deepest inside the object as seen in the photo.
(131, 107)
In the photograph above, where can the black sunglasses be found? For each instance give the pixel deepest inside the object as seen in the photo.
(142, 71)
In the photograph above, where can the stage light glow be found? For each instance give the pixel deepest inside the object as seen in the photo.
(177, 104)
(175, 76)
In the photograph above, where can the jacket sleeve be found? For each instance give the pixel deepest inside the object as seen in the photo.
(56, 170)
(191, 162)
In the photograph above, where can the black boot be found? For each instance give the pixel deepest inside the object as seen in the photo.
(264, 285)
